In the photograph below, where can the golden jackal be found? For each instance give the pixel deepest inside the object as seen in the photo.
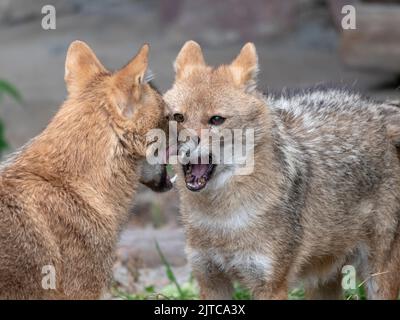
(64, 196)
(324, 190)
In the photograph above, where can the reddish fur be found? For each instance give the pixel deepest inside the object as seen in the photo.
(65, 196)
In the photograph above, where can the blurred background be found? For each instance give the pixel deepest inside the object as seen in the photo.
(300, 43)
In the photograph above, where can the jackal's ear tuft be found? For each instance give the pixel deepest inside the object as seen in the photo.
(81, 65)
(134, 72)
(245, 67)
(188, 58)
(129, 80)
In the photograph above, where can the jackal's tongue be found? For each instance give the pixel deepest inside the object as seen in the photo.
(197, 176)
(199, 170)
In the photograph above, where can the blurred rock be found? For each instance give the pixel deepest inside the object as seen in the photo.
(375, 42)
(123, 279)
(155, 209)
(139, 244)
(138, 264)
(232, 21)
(157, 277)
(146, 277)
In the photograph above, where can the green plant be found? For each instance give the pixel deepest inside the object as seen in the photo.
(356, 294)
(186, 291)
(3, 142)
(241, 293)
(189, 289)
(170, 273)
(7, 89)
(296, 294)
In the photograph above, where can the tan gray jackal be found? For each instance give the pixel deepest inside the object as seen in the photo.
(324, 191)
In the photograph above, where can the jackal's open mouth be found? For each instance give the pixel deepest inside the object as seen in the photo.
(198, 174)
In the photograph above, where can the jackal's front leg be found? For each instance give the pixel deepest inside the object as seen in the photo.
(270, 291)
(214, 284)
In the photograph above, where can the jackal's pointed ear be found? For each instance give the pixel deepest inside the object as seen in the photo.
(188, 58)
(81, 65)
(134, 72)
(245, 67)
(129, 80)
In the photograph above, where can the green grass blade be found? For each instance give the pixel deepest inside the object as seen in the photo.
(3, 142)
(7, 88)
(169, 272)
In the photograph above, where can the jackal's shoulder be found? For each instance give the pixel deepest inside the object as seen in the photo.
(323, 103)
(318, 107)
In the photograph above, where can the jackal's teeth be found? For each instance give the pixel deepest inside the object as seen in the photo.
(173, 179)
(202, 180)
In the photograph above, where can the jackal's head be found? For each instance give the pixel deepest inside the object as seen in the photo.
(219, 116)
(123, 102)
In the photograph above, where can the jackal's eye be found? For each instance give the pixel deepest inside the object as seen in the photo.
(178, 117)
(216, 120)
